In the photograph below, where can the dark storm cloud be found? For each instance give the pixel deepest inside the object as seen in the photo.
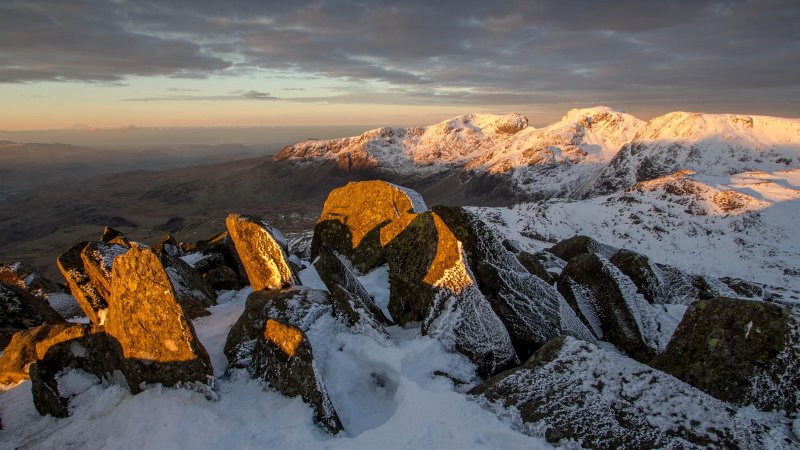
(470, 52)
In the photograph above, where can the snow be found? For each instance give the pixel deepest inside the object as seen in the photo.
(384, 391)
(376, 283)
(193, 258)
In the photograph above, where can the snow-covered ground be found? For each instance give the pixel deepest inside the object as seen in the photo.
(385, 393)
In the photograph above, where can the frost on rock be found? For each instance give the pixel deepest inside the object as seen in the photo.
(431, 282)
(572, 390)
(98, 259)
(741, 351)
(608, 302)
(193, 292)
(25, 276)
(87, 295)
(262, 251)
(532, 311)
(20, 310)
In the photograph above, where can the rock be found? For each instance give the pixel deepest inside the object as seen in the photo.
(173, 225)
(193, 293)
(533, 265)
(223, 278)
(270, 340)
(219, 251)
(570, 389)
(114, 236)
(27, 346)
(356, 314)
(300, 244)
(353, 215)
(262, 251)
(88, 297)
(579, 245)
(26, 277)
(98, 258)
(740, 351)
(89, 354)
(168, 245)
(333, 270)
(20, 310)
(156, 337)
(430, 282)
(532, 311)
(608, 303)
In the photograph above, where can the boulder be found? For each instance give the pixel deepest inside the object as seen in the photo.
(223, 278)
(98, 259)
(532, 264)
(353, 215)
(262, 250)
(93, 304)
(532, 310)
(220, 251)
(584, 396)
(26, 277)
(27, 346)
(430, 282)
(608, 303)
(579, 245)
(193, 292)
(168, 245)
(334, 271)
(270, 340)
(114, 236)
(20, 310)
(89, 354)
(156, 338)
(740, 351)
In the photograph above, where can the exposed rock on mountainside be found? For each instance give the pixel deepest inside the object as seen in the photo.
(573, 390)
(353, 215)
(156, 337)
(80, 285)
(29, 345)
(193, 293)
(712, 144)
(20, 310)
(739, 351)
(98, 259)
(24, 276)
(269, 339)
(262, 250)
(431, 282)
(220, 265)
(114, 236)
(531, 310)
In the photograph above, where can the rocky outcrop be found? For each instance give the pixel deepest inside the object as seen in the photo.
(29, 345)
(608, 303)
(114, 236)
(80, 285)
(156, 337)
(571, 390)
(740, 351)
(88, 353)
(532, 311)
(193, 292)
(534, 265)
(333, 270)
(353, 215)
(430, 282)
(270, 340)
(220, 265)
(262, 250)
(20, 310)
(579, 245)
(26, 277)
(168, 245)
(98, 259)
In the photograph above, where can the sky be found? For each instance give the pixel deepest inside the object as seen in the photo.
(89, 64)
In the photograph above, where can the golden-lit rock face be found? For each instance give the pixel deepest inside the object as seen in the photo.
(143, 313)
(80, 285)
(286, 337)
(262, 256)
(29, 345)
(352, 217)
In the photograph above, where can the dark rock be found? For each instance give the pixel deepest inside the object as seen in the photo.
(193, 292)
(270, 340)
(744, 289)
(219, 252)
(532, 311)
(579, 245)
(333, 271)
(173, 225)
(20, 310)
(570, 389)
(356, 314)
(300, 244)
(168, 245)
(608, 303)
(98, 258)
(262, 250)
(114, 236)
(430, 282)
(740, 351)
(223, 278)
(353, 215)
(532, 264)
(88, 297)
(26, 277)
(27, 346)
(156, 337)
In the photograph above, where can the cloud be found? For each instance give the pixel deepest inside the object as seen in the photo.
(466, 52)
(232, 96)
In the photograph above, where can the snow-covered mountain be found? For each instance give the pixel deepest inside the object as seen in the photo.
(712, 144)
(744, 225)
